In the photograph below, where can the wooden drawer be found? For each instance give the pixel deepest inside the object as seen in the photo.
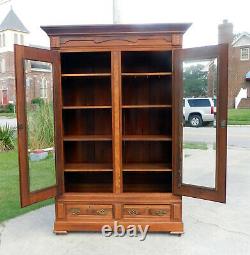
(89, 211)
(163, 211)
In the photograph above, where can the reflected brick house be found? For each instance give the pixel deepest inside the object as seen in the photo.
(38, 75)
(239, 65)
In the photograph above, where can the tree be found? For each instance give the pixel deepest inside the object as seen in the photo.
(195, 81)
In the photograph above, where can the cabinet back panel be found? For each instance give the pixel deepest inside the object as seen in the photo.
(146, 61)
(86, 62)
(147, 152)
(89, 182)
(87, 122)
(147, 121)
(147, 182)
(146, 90)
(88, 152)
(79, 91)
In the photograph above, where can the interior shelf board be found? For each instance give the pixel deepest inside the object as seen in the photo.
(88, 107)
(147, 106)
(87, 138)
(85, 74)
(87, 167)
(148, 74)
(147, 167)
(146, 138)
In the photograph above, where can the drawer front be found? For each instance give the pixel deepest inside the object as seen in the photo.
(89, 211)
(163, 211)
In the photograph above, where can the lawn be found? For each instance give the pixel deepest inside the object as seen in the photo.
(9, 183)
(195, 145)
(9, 115)
(239, 116)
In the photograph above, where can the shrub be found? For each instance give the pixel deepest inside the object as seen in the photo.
(41, 127)
(38, 101)
(7, 138)
(10, 108)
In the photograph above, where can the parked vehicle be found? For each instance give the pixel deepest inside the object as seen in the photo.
(198, 111)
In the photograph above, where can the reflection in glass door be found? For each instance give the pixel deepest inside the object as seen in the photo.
(199, 122)
(40, 124)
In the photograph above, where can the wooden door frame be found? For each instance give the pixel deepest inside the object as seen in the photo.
(221, 53)
(30, 53)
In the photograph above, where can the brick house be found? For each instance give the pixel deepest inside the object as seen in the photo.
(38, 75)
(239, 65)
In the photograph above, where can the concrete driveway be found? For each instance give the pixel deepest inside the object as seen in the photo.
(238, 136)
(210, 228)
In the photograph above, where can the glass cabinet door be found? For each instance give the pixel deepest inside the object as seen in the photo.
(200, 95)
(35, 85)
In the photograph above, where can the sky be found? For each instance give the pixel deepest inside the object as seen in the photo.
(204, 15)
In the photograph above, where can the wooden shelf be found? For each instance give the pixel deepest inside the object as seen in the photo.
(88, 107)
(144, 167)
(147, 106)
(146, 138)
(87, 138)
(85, 74)
(148, 74)
(88, 167)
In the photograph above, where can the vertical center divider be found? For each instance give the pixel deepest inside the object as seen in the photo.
(116, 121)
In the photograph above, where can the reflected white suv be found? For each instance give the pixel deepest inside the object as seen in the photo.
(198, 111)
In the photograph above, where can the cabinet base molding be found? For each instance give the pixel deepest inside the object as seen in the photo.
(63, 227)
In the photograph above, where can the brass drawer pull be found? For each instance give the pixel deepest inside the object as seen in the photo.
(132, 212)
(75, 211)
(101, 212)
(159, 212)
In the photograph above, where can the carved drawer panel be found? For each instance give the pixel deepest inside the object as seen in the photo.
(163, 211)
(83, 211)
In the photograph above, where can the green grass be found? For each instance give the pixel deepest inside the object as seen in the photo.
(195, 146)
(9, 184)
(239, 116)
(8, 115)
(42, 173)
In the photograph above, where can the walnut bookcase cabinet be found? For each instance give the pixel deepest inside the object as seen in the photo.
(118, 125)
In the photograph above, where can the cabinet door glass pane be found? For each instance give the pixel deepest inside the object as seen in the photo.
(40, 124)
(199, 122)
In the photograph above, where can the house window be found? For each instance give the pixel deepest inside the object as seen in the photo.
(244, 54)
(15, 38)
(21, 39)
(3, 40)
(2, 66)
(44, 88)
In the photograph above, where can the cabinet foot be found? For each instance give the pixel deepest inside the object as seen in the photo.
(60, 232)
(176, 233)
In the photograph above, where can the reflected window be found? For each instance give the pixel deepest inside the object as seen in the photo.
(15, 38)
(244, 54)
(44, 88)
(3, 40)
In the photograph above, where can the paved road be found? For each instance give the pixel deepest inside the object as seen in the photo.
(238, 136)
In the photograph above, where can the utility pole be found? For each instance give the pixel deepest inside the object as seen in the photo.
(116, 12)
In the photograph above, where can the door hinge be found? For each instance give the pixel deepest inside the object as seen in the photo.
(179, 177)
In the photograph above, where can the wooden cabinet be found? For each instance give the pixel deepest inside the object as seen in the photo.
(118, 125)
